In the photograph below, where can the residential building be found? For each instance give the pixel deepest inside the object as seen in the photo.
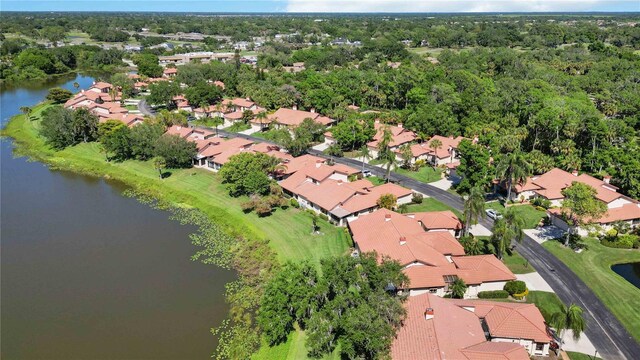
(437, 328)
(431, 259)
(399, 136)
(292, 118)
(445, 154)
(550, 185)
(328, 189)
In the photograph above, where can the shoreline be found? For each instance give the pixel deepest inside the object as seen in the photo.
(219, 240)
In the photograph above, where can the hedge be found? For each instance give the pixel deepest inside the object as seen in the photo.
(515, 287)
(495, 294)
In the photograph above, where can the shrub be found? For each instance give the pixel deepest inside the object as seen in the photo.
(323, 217)
(515, 287)
(522, 295)
(248, 206)
(417, 198)
(495, 294)
(294, 203)
(263, 208)
(541, 202)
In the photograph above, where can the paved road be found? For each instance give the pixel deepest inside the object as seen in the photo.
(145, 109)
(604, 330)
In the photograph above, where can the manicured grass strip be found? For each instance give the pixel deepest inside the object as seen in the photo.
(593, 266)
(549, 303)
(431, 204)
(529, 214)
(580, 356)
(425, 174)
(514, 261)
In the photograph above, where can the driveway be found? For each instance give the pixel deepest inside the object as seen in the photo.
(545, 233)
(145, 109)
(535, 282)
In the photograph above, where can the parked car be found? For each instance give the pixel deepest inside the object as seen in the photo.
(366, 173)
(493, 214)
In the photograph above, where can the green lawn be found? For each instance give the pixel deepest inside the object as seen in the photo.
(288, 231)
(376, 180)
(549, 303)
(238, 126)
(431, 204)
(529, 214)
(580, 356)
(514, 261)
(425, 174)
(593, 266)
(293, 349)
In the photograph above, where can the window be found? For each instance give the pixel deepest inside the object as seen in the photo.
(433, 290)
(539, 346)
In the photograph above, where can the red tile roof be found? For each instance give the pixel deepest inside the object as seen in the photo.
(293, 118)
(434, 220)
(482, 268)
(452, 333)
(496, 351)
(181, 131)
(442, 337)
(242, 102)
(509, 320)
(551, 184)
(442, 152)
(102, 85)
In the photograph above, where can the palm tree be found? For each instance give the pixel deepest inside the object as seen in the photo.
(458, 288)
(513, 168)
(113, 93)
(471, 245)
(434, 145)
(473, 208)
(261, 116)
(366, 155)
(26, 111)
(159, 163)
(569, 318)
(390, 161)
(506, 230)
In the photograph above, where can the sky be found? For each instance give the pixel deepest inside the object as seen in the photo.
(283, 6)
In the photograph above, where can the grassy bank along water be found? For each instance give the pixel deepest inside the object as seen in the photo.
(227, 236)
(593, 266)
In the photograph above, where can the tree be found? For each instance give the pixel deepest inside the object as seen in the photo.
(53, 34)
(124, 84)
(143, 138)
(569, 318)
(352, 133)
(159, 163)
(56, 127)
(458, 288)
(148, 65)
(581, 202)
(115, 140)
(365, 154)
(26, 110)
(202, 93)
(59, 95)
(474, 168)
(169, 118)
(406, 154)
(513, 168)
(261, 117)
(162, 93)
(247, 173)
(473, 208)
(471, 245)
(387, 201)
(177, 151)
(217, 121)
(390, 161)
(506, 230)
(64, 127)
(435, 145)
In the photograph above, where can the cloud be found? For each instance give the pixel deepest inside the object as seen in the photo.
(399, 6)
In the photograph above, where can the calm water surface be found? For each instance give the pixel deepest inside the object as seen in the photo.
(90, 274)
(630, 271)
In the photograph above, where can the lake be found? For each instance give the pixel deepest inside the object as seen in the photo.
(90, 274)
(629, 271)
